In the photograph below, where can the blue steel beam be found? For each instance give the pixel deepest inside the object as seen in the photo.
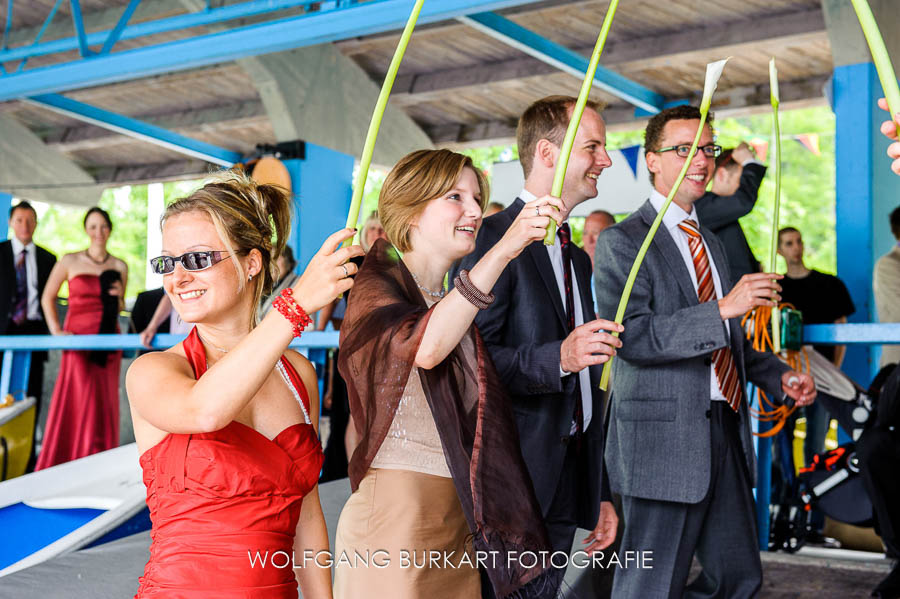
(9, 16)
(199, 19)
(78, 22)
(116, 33)
(40, 34)
(537, 46)
(253, 40)
(311, 339)
(136, 129)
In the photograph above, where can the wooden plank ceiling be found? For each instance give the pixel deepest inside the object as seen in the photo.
(461, 86)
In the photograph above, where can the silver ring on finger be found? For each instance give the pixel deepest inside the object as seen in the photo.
(537, 210)
(346, 272)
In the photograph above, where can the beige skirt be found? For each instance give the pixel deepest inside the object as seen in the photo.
(403, 535)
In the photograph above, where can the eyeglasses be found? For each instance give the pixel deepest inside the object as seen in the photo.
(192, 261)
(682, 151)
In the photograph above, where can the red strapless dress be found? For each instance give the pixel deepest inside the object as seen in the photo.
(84, 411)
(220, 502)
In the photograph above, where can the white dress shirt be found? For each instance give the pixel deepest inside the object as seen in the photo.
(555, 253)
(34, 301)
(671, 219)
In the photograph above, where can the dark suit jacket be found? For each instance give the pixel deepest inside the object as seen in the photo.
(720, 215)
(45, 261)
(523, 330)
(659, 439)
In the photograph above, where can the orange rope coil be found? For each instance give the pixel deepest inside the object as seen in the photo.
(756, 327)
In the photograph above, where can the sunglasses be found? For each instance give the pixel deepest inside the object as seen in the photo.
(192, 261)
(683, 150)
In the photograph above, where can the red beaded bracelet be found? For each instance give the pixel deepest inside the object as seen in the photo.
(291, 310)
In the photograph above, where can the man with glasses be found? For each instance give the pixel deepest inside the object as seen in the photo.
(679, 447)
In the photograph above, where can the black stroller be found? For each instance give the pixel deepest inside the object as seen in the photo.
(831, 483)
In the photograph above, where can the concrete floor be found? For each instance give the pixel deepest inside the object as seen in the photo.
(822, 574)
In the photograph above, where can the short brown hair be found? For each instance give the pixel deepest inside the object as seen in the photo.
(656, 124)
(548, 118)
(784, 230)
(415, 180)
(247, 216)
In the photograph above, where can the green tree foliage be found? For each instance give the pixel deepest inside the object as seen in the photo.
(807, 181)
(61, 231)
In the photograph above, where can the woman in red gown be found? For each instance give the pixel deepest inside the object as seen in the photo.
(226, 422)
(84, 412)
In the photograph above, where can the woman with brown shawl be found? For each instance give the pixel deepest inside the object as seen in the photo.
(438, 472)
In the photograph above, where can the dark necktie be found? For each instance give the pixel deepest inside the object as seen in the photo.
(565, 238)
(20, 307)
(726, 370)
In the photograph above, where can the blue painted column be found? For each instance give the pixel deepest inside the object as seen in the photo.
(322, 185)
(866, 192)
(5, 204)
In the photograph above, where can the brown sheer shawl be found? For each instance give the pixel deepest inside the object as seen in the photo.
(380, 336)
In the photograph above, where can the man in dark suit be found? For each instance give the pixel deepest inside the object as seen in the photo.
(679, 447)
(735, 189)
(543, 337)
(24, 269)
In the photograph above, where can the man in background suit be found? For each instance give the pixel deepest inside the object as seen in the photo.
(542, 334)
(735, 189)
(24, 269)
(679, 448)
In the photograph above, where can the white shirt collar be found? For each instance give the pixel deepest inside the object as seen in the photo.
(526, 196)
(675, 214)
(17, 246)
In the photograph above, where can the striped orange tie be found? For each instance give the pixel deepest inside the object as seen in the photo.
(726, 370)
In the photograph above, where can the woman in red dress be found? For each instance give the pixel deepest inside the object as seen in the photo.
(84, 411)
(226, 422)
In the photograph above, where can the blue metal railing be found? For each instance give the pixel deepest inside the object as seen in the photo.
(17, 350)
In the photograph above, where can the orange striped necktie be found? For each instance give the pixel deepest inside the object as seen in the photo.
(723, 360)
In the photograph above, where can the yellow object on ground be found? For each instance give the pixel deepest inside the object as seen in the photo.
(16, 430)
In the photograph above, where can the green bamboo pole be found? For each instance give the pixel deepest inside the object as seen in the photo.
(713, 72)
(566, 150)
(775, 98)
(880, 55)
(365, 161)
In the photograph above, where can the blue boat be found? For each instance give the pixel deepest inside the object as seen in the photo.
(83, 503)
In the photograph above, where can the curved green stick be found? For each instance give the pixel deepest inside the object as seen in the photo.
(563, 161)
(365, 161)
(773, 85)
(879, 55)
(713, 71)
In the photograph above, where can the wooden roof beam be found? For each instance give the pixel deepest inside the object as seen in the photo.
(727, 103)
(646, 52)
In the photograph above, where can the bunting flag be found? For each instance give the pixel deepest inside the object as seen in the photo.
(810, 141)
(761, 146)
(631, 155)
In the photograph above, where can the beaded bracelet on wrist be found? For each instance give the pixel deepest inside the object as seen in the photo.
(291, 310)
(468, 290)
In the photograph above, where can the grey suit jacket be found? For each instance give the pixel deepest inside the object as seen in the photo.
(658, 443)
